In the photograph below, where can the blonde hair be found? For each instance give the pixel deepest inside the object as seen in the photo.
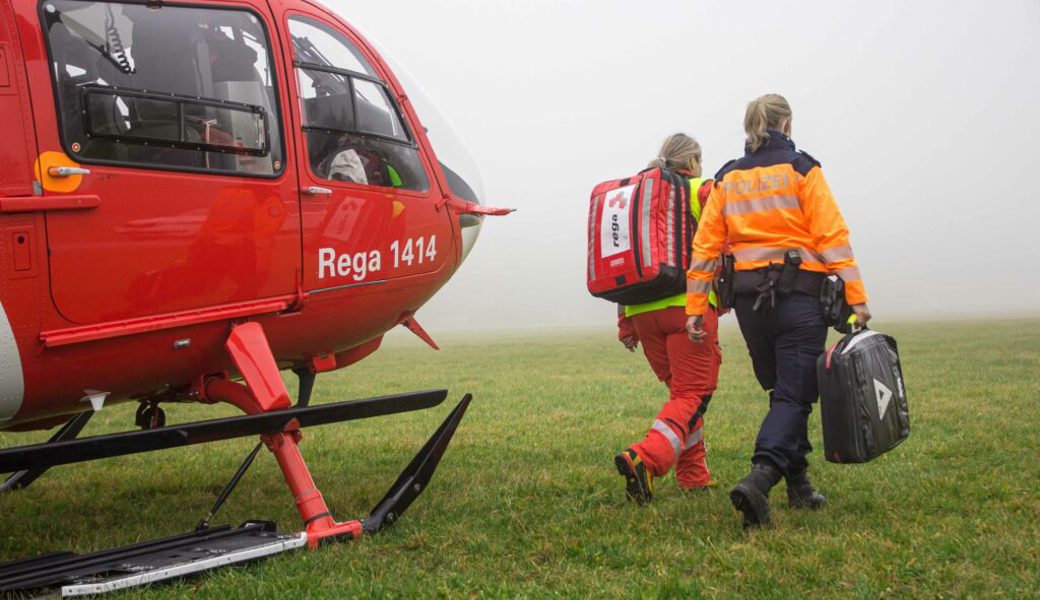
(765, 112)
(679, 151)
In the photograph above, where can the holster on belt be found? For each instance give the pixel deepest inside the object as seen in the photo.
(767, 283)
(727, 297)
(836, 310)
(792, 264)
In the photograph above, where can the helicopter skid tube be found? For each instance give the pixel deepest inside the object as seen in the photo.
(52, 454)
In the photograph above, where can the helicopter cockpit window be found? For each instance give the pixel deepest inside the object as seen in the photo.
(354, 129)
(170, 87)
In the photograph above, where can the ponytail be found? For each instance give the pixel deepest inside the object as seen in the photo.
(765, 112)
(679, 152)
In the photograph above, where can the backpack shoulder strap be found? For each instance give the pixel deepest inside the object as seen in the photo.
(695, 203)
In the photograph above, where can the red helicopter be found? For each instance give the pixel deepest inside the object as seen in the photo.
(193, 197)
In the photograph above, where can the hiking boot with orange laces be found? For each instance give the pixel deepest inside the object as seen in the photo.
(639, 485)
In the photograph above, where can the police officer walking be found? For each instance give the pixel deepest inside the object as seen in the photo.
(786, 234)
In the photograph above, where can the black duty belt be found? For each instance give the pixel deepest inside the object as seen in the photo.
(769, 282)
(748, 282)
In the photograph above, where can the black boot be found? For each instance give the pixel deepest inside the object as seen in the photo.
(801, 493)
(751, 496)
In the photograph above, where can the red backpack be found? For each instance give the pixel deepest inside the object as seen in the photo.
(640, 237)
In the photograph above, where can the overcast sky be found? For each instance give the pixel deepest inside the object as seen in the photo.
(925, 116)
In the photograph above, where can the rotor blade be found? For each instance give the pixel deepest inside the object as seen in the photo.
(173, 436)
(417, 474)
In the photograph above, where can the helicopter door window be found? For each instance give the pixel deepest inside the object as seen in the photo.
(168, 87)
(353, 126)
(376, 113)
(317, 43)
(326, 100)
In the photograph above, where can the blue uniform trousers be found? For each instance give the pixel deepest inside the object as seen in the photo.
(784, 344)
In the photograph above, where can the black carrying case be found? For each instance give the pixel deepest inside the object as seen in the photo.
(862, 397)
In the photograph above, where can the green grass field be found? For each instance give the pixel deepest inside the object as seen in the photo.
(527, 502)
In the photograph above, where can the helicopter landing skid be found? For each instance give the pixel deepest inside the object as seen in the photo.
(271, 415)
(208, 548)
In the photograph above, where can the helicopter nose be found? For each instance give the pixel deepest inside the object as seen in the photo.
(456, 161)
(469, 224)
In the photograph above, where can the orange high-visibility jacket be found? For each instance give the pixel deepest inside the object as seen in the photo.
(766, 203)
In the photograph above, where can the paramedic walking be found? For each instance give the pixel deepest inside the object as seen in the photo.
(785, 232)
(689, 370)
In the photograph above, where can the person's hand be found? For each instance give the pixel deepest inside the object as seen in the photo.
(862, 314)
(695, 328)
(627, 333)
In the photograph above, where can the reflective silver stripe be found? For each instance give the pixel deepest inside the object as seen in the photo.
(695, 437)
(696, 286)
(671, 228)
(707, 266)
(12, 383)
(648, 192)
(663, 428)
(777, 254)
(839, 253)
(849, 274)
(593, 219)
(760, 204)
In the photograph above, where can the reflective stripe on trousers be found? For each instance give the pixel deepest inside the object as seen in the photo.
(665, 430)
(695, 437)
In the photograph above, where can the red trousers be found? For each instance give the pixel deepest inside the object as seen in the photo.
(691, 372)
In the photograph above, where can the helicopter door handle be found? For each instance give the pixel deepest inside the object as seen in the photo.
(319, 191)
(67, 171)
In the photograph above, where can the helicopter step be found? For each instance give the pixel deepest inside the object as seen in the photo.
(72, 575)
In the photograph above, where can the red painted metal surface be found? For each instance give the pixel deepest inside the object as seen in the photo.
(17, 144)
(418, 330)
(349, 357)
(38, 203)
(248, 348)
(90, 333)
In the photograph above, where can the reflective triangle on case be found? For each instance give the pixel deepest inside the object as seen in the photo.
(884, 397)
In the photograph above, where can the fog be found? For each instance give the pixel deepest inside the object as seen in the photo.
(924, 116)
